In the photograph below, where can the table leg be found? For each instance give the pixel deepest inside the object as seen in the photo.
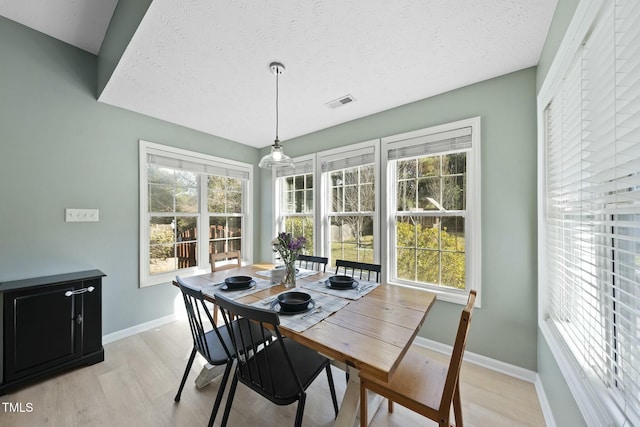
(208, 374)
(349, 409)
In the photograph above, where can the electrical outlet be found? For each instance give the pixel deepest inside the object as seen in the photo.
(81, 215)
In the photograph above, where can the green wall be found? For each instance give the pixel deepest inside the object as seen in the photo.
(561, 401)
(60, 148)
(506, 106)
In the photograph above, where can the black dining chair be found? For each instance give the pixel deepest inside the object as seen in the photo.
(281, 371)
(313, 262)
(360, 269)
(214, 344)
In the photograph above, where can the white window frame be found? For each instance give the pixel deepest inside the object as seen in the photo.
(473, 249)
(278, 224)
(204, 264)
(597, 404)
(324, 196)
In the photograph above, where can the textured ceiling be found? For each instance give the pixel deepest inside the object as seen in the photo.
(204, 64)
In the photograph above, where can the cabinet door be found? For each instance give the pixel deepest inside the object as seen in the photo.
(43, 330)
(91, 316)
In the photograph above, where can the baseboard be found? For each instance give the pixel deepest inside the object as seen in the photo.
(124, 333)
(544, 403)
(498, 366)
(485, 362)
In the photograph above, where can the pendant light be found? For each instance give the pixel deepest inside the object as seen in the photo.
(276, 158)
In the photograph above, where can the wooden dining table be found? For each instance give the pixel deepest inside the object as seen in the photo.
(369, 334)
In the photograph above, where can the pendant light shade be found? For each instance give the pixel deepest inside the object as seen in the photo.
(276, 158)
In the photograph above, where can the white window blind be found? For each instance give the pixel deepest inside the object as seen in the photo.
(300, 167)
(592, 219)
(348, 159)
(200, 165)
(438, 143)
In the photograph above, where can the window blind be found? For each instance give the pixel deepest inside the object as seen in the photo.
(349, 159)
(438, 143)
(592, 220)
(209, 167)
(298, 168)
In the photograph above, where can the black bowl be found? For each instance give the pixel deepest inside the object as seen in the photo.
(238, 282)
(294, 301)
(341, 282)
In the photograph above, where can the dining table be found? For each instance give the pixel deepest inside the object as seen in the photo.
(370, 328)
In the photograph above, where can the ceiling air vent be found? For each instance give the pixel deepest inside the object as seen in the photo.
(340, 101)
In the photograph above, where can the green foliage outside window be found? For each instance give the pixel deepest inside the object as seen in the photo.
(430, 254)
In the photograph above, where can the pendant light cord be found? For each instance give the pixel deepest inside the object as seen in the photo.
(277, 91)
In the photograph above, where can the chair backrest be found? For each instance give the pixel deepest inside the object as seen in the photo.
(195, 305)
(458, 352)
(364, 270)
(313, 262)
(223, 256)
(259, 373)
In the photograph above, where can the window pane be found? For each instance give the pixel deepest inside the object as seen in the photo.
(455, 163)
(234, 184)
(337, 179)
(367, 174)
(367, 197)
(429, 166)
(428, 267)
(352, 238)
(351, 199)
(407, 264)
(336, 197)
(431, 250)
(217, 228)
(160, 198)
(299, 201)
(428, 232)
(162, 258)
(234, 245)
(406, 169)
(351, 176)
(162, 245)
(453, 193)
(429, 193)
(225, 233)
(301, 227)
(216, 247)
(288, 183)
(406, 195)
(309, 180)
(234, 202)
(186, 254)
(405, 232)
(235, 227)
(187, 199)
(308, 201)
(453, 269)
(452, 234)
(186, 229)
(216, 194)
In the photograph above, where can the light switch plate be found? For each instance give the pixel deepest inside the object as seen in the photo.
(81, 215)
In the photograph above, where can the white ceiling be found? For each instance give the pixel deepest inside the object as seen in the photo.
(204, 64)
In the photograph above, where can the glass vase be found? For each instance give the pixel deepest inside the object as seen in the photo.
(290, 276)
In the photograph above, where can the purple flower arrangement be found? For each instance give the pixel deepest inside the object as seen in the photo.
(288, 247)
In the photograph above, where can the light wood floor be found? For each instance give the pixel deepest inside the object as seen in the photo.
(137, 382)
